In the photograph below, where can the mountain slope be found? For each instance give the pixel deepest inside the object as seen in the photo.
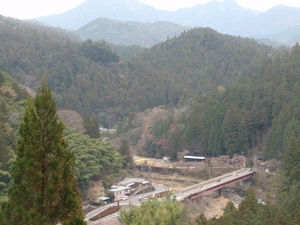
(277, 19)
(258, 114)
(129, 33)
(221, 16)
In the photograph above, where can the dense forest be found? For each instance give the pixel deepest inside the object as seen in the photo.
(258, 113)
(12, 101)
(89, 77)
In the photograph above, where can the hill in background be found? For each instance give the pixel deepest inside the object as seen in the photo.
(225, 17)
(130, 33)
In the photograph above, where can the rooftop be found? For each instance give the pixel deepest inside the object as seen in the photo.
(193, 157)
(119, 189)
(131, 180)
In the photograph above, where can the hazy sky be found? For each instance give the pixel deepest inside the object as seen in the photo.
(27, 9)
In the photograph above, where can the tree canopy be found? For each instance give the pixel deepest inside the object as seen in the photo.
(166, 212)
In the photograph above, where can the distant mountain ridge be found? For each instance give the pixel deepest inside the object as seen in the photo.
(225, 17)
(123, 10)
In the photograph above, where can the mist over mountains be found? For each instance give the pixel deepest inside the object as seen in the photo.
(280, 23)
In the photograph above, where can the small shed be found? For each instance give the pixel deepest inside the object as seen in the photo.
(104, 199)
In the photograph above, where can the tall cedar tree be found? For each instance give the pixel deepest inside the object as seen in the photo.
(124, 150)
(92, 126)
(44, 189)
(291, 160)
(3, 150)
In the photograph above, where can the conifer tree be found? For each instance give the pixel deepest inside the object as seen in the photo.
(229, 208)
(251, 201)
(3, 150)
(201, 219)
(175, 143)
(291, 160)
(231, 132)
(1, 77)
(44, 189)
(124, 150)
(92, 126)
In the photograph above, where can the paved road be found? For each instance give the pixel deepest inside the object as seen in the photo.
(130, 200)
(203, 186)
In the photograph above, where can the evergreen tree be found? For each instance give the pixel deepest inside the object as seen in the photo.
(44, 189)
(229, 208)
(201, 220)
(244, 214)
(297, 217)
(3, 150)
(124, 151)
(1, 78)
(231, 132)
(175, 143)
(92, 127)
(251, 201)
(291, 160)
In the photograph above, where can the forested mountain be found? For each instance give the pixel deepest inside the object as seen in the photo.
(89, 77)
(259, 113)
(129, 33)
(224, 16)
(201, 59)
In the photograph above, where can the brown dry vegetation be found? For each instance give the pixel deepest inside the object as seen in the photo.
(72, 120)
(144, 121)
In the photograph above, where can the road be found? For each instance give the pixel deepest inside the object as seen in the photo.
(209, 184)
(131, 200)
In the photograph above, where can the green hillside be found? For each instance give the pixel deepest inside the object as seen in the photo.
(129, 32)
(257, 114)
(89, 77)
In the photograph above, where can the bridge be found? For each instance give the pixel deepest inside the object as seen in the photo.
(214, 184)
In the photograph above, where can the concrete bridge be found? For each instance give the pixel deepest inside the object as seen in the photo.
(215, 184)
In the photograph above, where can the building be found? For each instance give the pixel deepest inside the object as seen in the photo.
(120, 192)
